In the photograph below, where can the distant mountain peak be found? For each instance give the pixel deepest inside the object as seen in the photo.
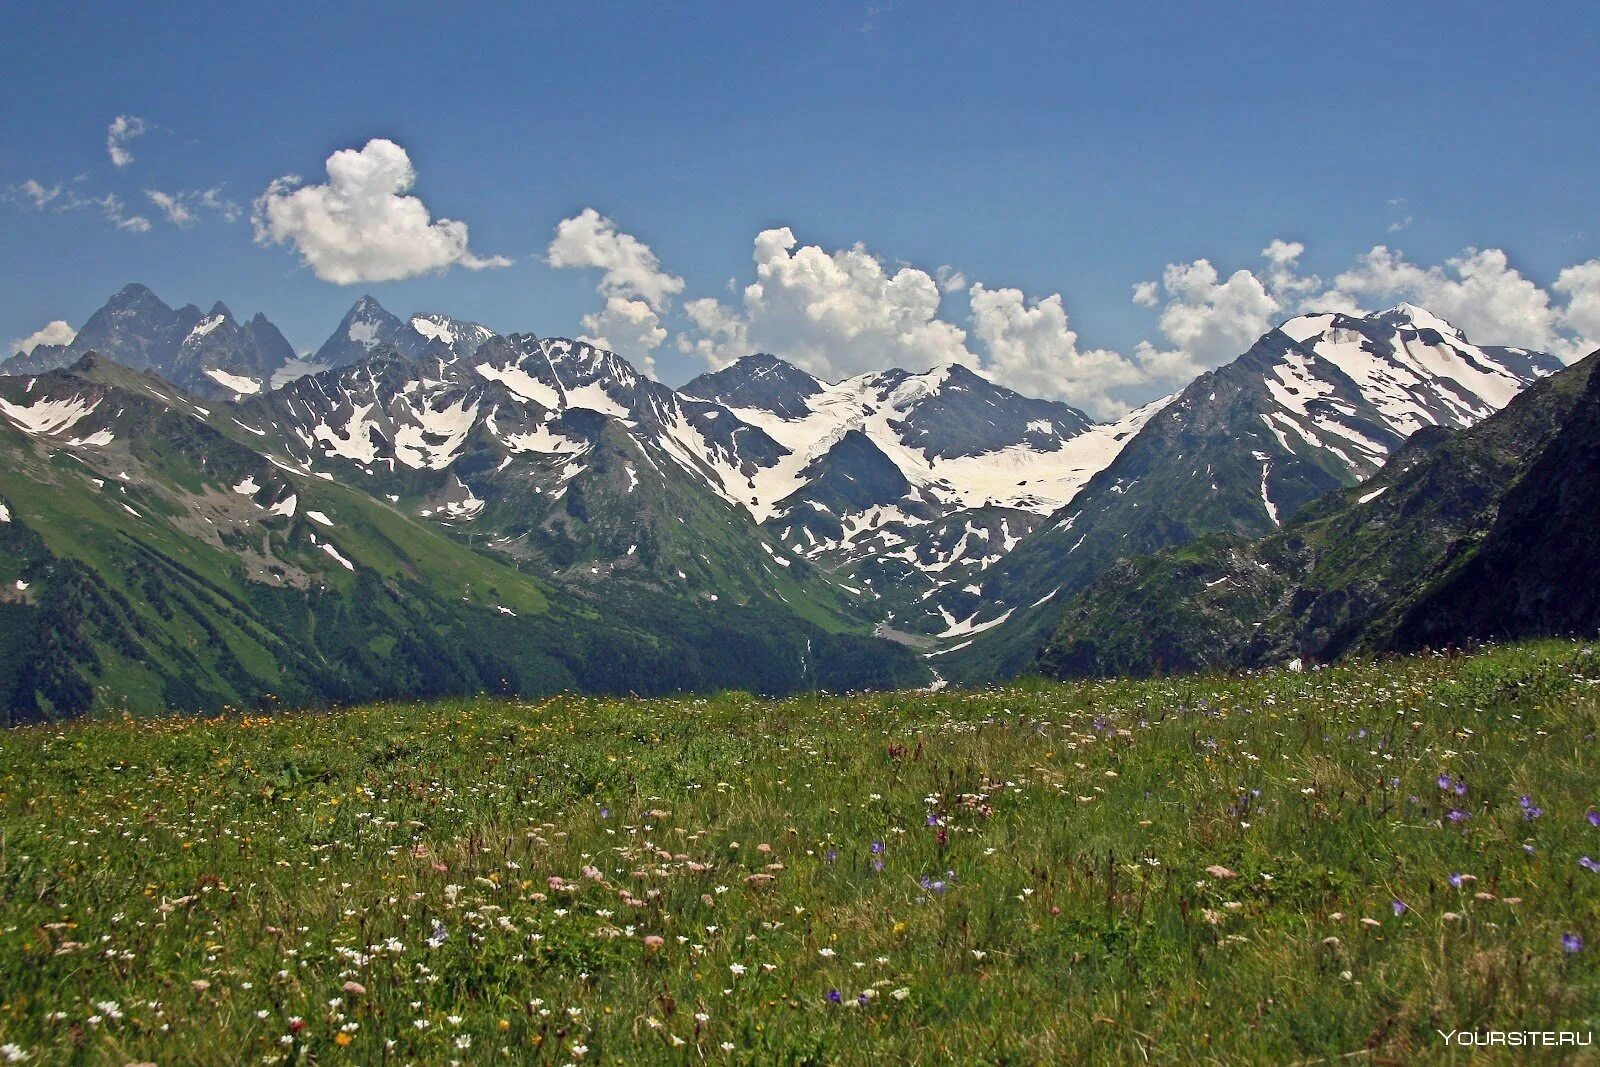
(1411, 314)
(132, 293)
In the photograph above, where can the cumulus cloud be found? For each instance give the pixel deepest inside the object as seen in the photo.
(183, 208)
(51, 333)
(1031, 348)
(123, 129)
(636, 287)
(630, 327)
(1207, 321)
(1212, 320)
(360, 226)
(1478, 291)
(630, 269)
(721, 334)
(842, 313)
(834, 314)
(1581, 284)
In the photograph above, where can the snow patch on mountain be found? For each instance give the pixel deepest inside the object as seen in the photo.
(237, 383)
(48, 415)
(205, 326)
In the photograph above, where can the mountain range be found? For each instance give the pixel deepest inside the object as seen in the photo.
(1316, 404)
(188, 504)
(1480, 534)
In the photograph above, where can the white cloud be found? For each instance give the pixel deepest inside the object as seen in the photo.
(724, 335)
(1478, 291)
(1207, 321)
(590, 239)
(833, 314)
(183, 208)
(360, 226)
(112, 208)
(1283, 278)
(951, 280)
(1211, 320)
(123, 129)
(62, 198)
(1281, 253)
(1581, 283)
(40, 195)
(636, 287)
(51, 333)
(629, 327)
(843, 313)
(1031, 348)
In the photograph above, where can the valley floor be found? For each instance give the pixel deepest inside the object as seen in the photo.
(1277, 867)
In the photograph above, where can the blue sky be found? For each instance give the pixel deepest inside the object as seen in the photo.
(1050, 149)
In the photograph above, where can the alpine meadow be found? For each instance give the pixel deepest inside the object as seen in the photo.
(859, 534)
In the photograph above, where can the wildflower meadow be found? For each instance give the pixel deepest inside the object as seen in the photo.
(1278, 867)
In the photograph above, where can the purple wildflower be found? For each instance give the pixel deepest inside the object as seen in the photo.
(1444, 781)
(1455, 880)
(1572, 943)
(1593, 817)
(877, 848)
(1399, 906)
(1457, 815)
(834, 996)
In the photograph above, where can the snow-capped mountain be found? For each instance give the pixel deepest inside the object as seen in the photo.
(553, 452)
(236, 359)
(939, 504)
(369, 327)
(215, 356)
(1353, 388)
(911, 481)
(458, 337)
(209, 354)
(1317, 403)
(158, 553)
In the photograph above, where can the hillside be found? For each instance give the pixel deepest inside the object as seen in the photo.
(152, 559)
(1280, 867)
(1316, 404)
(1484, 533)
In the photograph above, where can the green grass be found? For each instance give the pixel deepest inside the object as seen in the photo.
(476, 880)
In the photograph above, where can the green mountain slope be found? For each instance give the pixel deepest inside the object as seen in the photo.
(150, 560)
(1481, 533)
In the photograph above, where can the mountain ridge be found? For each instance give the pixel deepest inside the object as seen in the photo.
(1465, 535)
